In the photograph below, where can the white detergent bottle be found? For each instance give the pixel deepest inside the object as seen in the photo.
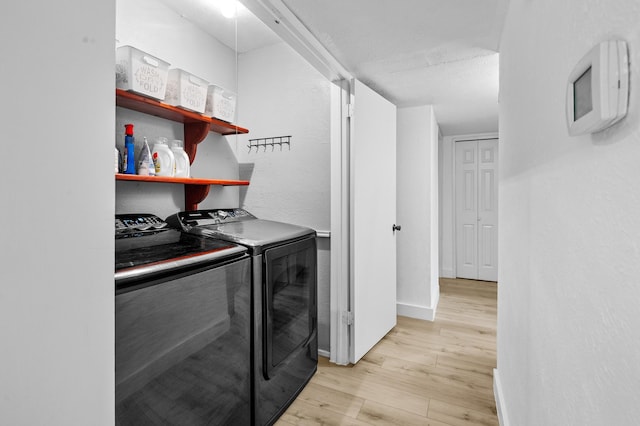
(183, 167)
(163, 158)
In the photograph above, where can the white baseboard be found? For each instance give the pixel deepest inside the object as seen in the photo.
(498, 395)
(416, 311)
(323, 353)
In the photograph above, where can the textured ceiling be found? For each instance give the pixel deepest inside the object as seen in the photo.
(417, 52)
(413, 52)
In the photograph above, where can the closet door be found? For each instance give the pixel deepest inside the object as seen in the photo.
(467, 209)
(488, 210)
(477, 209)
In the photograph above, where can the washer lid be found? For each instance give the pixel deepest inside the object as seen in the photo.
(148, 252)
(254, 233)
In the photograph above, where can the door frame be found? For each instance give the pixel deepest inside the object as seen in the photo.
(451, 206)
(341, 273)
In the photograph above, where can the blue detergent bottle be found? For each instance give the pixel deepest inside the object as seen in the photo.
(129, 161)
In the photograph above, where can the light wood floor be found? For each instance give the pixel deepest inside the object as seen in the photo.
(422, 373)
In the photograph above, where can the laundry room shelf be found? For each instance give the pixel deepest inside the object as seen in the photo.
(195, 189)
(196, 126)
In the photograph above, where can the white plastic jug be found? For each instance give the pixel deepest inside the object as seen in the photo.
(183, 167)
(163, 158)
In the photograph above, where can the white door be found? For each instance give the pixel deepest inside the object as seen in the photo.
(467, 209)
(477, 209)
(373, 214)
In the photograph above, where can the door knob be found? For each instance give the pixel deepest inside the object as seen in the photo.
(395, 227)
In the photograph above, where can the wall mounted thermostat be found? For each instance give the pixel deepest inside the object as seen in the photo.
(598, 88)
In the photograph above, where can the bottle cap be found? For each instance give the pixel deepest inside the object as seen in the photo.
(177, 143)
(128, 129)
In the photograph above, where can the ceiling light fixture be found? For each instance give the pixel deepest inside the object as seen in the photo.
(228, 8)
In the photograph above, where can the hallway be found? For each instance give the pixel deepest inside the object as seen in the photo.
(422, 373)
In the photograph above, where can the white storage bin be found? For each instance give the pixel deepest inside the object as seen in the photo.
(221, 103)
(140, 72)
(186, 91)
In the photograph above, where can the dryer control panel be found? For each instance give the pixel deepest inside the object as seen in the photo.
(230, 215)
(185, 220)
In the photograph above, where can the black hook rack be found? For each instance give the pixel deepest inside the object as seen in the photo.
(272, 142)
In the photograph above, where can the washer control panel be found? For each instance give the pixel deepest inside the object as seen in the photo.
(138, 222)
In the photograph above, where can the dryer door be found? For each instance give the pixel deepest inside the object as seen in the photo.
(289, 303)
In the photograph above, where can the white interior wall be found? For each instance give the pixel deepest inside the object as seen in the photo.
(281, 94)
(417, 212)
(56, 268)
(156, 29)
(568, 352)
(446, 164)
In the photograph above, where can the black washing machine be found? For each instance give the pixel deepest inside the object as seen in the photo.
(284, 276)
(183, 326)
